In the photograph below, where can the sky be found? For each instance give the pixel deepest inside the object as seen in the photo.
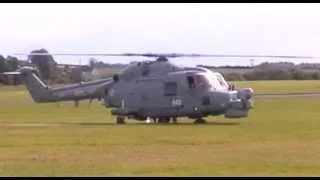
(213, 28)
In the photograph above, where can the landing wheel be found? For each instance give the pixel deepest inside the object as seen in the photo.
(154, 119)
(174, 120)
(163, 120)
(120, 120)
(200, 121)
(76, 104)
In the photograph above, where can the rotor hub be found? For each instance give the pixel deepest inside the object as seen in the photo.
(162, 59)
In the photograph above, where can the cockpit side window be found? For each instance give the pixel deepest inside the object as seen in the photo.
(191, 82)
(199, 81)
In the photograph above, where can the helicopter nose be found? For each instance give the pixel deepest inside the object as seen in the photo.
(240, 103)
(245, 93)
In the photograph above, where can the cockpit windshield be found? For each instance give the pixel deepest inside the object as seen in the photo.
(221, 80)
(216, 81)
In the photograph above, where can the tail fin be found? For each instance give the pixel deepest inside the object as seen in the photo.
(38, 90)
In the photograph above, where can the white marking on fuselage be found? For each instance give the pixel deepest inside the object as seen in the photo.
(122, 104)
(111, 92)
(39, 80)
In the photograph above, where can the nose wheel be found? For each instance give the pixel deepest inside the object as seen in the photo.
(200, 121)
(174, 120)
(163, 120)
(121, 120)
(154, 120)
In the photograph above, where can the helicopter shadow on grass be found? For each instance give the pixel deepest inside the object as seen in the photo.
(146, 124)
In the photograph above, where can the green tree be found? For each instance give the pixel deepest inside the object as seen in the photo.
(45, 64)
(3, 64)
(13, 63)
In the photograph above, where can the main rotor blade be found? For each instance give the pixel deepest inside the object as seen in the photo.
(68, 54)
(100, 54)
(170, 55)
(250, 56)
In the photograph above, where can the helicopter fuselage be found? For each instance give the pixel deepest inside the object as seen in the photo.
(159, 89)
(184, 93)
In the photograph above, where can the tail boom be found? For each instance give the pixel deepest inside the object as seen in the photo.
(41, 93)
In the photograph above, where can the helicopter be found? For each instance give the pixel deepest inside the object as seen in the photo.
(157, 89)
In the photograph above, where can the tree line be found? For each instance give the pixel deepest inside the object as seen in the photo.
(271, 71)
(47, 67)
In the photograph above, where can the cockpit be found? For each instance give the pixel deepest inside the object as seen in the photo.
(223, 83)
(212, 80)
(208, 81)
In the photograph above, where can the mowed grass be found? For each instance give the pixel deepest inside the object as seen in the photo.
(283, 86)
(280, 137)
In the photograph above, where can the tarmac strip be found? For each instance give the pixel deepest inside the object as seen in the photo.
(287, 95)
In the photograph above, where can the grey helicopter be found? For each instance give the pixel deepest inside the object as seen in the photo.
(157, 90)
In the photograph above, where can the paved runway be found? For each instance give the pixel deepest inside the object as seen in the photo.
(287, 95)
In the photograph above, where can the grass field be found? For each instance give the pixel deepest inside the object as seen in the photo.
(281, 137)
(285, 86)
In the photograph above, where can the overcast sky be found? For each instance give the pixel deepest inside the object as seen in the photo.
(275, 29)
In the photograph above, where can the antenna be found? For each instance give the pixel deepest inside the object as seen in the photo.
(252, 62)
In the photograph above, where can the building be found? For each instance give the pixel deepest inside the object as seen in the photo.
(10, 78)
